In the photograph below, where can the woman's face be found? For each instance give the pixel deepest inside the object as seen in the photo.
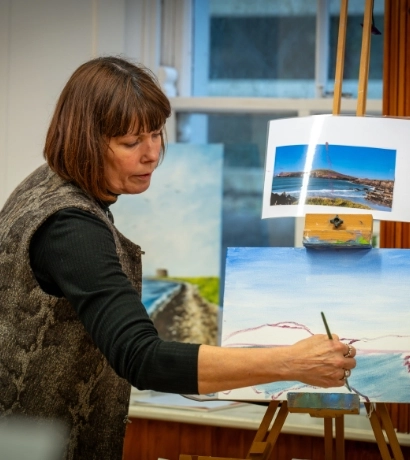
(130, 161)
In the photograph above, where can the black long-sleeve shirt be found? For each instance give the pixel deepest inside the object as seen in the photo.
(73, 255)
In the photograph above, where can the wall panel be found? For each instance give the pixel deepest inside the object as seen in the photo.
(396, 102)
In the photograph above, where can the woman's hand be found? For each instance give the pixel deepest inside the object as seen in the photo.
(316, 361)
(319, 361)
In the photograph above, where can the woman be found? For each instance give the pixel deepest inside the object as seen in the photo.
(74, 334)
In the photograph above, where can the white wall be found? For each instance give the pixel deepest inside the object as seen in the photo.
(45, 41)
(41, 43)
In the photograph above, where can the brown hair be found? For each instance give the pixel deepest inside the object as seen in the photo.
(104, 98)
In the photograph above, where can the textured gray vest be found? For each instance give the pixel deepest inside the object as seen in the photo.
(49, 366)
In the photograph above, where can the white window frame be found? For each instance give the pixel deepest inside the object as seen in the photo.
(177, 78)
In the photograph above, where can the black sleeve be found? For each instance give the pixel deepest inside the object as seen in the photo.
(73, 255)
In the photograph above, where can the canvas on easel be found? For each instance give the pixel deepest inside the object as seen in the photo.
(273, 297)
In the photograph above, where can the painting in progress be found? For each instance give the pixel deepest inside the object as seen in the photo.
(337, 164)
(177, 223)
(274, 296)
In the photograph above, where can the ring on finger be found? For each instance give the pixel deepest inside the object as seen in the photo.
(349, 351)
(346, 374)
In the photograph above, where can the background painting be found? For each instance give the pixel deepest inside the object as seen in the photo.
(274, 296)
(334, 164)
(177, 222)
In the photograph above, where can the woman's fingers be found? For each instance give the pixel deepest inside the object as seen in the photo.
(350, 352)
(327, 363)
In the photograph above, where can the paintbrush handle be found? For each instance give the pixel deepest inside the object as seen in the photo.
(329, 334)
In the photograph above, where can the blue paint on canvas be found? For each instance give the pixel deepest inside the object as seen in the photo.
(274, 296)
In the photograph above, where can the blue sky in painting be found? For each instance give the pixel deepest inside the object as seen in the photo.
(177, 221)
(364, 293)
(362, 162)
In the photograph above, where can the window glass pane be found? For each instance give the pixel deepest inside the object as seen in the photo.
(354, 33)
(262, 47)
(243, 136)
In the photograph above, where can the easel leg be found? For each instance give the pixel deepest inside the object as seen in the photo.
(266, 421)
(276, 428)
(378, 432)
(265, 439)
(388, 428)
(340, 438)
(328, 424)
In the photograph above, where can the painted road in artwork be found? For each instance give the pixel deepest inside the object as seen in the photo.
(274, 296)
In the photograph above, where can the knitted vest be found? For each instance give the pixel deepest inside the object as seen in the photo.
(49, 366)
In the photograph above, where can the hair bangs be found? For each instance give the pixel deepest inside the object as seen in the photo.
(133, 111)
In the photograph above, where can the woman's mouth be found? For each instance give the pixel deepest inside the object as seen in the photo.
(144, 176)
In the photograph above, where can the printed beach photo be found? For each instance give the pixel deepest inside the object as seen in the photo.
(334, 175)
(177, 223)
(325, 164)
(274, 297)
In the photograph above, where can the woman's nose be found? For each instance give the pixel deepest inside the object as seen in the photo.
(152, 149)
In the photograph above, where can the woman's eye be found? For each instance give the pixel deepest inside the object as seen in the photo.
(153, 135)
(130, 145)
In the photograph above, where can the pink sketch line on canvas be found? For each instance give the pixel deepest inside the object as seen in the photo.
(269, 336)
(281, 325)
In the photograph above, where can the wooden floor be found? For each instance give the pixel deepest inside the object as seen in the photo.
(153, 439)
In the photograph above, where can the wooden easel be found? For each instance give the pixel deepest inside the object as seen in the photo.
(331, 406)
(325, 230)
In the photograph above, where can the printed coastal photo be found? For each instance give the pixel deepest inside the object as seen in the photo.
(274, 297)
(339, 175)
(337, 164)
(177, 223)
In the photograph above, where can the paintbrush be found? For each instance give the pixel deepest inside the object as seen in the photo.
(329, 334)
